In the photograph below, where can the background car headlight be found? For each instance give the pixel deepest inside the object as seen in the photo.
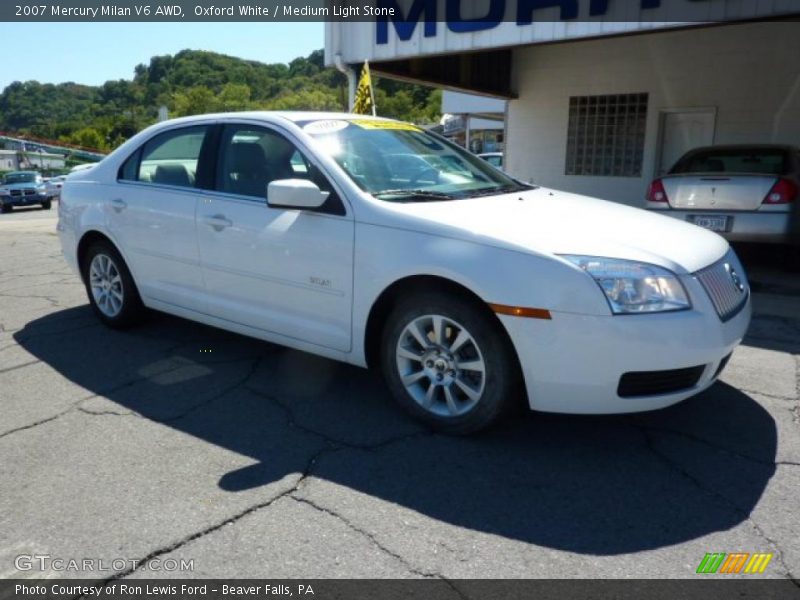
(3, 192)
(634, 287)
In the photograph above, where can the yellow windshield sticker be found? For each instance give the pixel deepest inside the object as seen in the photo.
(370, 124)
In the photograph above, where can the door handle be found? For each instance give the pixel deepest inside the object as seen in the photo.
(118, 204)
(217, 222)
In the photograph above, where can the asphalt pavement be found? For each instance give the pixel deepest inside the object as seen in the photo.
(238, 458)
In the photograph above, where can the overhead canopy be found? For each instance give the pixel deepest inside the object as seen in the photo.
(486, 72)
(466, 45)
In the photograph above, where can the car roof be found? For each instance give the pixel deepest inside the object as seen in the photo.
(288, 115)
(296, 116)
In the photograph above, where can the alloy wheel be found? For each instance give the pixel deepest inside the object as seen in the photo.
(441, 365)
(106, 285)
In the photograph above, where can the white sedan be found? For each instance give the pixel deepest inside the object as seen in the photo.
(54, 185)
(467, 288)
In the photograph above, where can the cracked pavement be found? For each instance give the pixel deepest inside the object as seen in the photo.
(176, 440)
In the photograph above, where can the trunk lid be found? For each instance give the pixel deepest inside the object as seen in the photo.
(717, 191)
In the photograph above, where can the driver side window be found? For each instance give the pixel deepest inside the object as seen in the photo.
(252, 157)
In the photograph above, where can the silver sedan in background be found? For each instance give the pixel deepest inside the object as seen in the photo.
(747, 193)
(54, 185)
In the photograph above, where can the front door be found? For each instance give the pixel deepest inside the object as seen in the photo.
(284, 271)
(681, 131)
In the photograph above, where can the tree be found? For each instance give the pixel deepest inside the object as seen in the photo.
(194, 82)
(193, 101)
(88, 137)
(234, 96)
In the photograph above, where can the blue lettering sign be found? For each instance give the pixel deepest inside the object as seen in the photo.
(525, 8)
(497, 10)
(405, 26)
(425, 10)
(600, 7)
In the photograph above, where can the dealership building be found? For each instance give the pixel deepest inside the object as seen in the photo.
(601, 96)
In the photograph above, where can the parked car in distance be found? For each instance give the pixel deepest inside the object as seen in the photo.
(469, 290)
(493, 158)
(23, 188)
(54, 185)
(745, 193)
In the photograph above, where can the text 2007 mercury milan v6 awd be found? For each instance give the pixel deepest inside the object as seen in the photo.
(374, 242)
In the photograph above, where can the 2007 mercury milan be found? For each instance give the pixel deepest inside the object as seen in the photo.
(371, 241)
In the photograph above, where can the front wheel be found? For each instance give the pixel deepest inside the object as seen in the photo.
(110, 287)
(5, 208)
(447, 362)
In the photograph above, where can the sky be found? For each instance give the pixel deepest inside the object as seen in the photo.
(92, 53)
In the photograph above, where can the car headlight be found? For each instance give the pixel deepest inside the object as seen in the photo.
(633, 287)
(3, 192)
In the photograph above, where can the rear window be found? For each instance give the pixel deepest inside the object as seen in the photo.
(767, 162)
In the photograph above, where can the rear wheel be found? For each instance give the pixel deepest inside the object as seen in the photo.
(110, 287)
(46, 204)
(447, 363)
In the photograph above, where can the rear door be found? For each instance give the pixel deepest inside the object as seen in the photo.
(151, 212)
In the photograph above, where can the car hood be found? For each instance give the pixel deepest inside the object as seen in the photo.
(547, 222)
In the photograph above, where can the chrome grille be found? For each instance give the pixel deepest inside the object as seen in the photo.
(726, 285)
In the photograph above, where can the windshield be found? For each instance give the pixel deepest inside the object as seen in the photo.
(22, 178)
(400, 162)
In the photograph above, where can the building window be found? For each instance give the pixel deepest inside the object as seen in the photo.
(606, 135)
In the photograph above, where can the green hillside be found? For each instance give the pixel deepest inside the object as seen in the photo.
(193, 82)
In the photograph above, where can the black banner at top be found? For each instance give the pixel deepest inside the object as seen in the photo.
(463, 15)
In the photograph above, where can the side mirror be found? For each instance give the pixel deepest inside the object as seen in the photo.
(295, 193)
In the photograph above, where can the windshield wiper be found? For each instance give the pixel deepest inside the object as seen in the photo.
(506, 189)
(423, 194)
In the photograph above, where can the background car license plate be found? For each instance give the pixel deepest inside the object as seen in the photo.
(712, 222)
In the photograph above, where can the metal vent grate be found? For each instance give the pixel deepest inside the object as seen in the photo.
(725, 286)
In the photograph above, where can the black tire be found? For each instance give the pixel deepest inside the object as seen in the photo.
(46, 205)
(5, 208)
(499, 384)
(131, 309)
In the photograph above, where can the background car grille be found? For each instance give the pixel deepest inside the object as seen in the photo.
(720, 282)
(648, 383)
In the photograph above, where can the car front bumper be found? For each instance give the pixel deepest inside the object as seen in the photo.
(573, 363)
(28, 200)
(743, 226)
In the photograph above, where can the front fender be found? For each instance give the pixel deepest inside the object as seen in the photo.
(385, 255)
